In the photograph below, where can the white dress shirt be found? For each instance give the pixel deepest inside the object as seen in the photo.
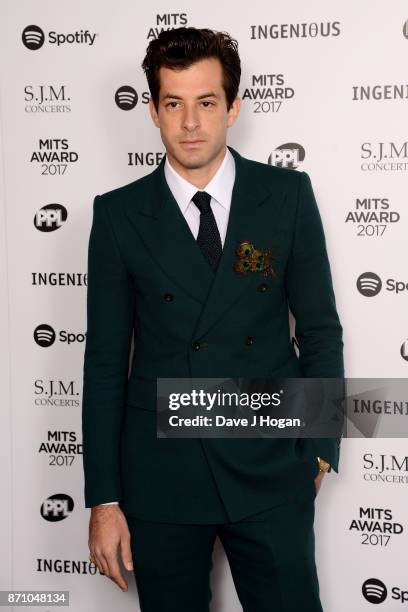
(220, 189)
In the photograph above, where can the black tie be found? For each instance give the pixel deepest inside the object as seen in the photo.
(208, 238)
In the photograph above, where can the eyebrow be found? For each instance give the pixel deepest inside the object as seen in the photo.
(209, 94)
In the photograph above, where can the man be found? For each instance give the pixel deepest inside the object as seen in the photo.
(162, 266)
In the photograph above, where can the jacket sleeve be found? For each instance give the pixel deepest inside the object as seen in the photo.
(311, 299)
(110, 311)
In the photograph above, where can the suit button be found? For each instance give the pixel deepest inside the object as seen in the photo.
(168, 297)
(249, 340)
(195, 345)
(263, 287)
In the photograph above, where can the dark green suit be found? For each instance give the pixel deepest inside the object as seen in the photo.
(147, 277)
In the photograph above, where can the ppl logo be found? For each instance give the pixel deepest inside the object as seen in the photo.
(50, 217)
(288, 155)
(57, 507)
(369, 284)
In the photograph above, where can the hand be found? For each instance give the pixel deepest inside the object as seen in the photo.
(108, 530)
(318, 481)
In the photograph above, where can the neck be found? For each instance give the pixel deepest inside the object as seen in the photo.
(199, 177)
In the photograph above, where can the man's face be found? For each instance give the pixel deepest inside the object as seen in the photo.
(192, 113)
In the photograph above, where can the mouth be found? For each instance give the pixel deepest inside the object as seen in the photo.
(191, 143)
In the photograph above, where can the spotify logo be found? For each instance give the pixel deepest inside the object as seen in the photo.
(33, 37)
(369, 284)
(126, 97)
(374, 591)
(404, 350)
(44, 335)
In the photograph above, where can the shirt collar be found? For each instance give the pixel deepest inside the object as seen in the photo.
(220, 186)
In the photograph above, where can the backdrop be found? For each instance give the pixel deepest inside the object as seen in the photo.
(323, 87)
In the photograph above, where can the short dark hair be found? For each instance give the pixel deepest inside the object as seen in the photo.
(181, 47)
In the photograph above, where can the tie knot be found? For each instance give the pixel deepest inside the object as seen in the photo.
(202, 200)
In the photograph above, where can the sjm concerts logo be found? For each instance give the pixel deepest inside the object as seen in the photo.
(384, 156)
(386, 468)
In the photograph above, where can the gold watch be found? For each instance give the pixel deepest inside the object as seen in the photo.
(323, 465)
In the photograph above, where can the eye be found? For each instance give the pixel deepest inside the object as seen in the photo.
(172, 104)
(207, 103)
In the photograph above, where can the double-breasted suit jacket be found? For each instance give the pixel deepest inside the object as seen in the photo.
(148, 279)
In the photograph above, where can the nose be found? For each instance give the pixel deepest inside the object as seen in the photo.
(190, 118)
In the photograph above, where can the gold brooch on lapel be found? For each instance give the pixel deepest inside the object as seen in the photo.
(251, 259)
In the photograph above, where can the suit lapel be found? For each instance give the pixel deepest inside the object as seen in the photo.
(166, 235)
(247, 217)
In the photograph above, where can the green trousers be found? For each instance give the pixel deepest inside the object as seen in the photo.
(271, 556)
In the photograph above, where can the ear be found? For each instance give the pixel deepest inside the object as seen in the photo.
(233, 111)
(153, 113)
